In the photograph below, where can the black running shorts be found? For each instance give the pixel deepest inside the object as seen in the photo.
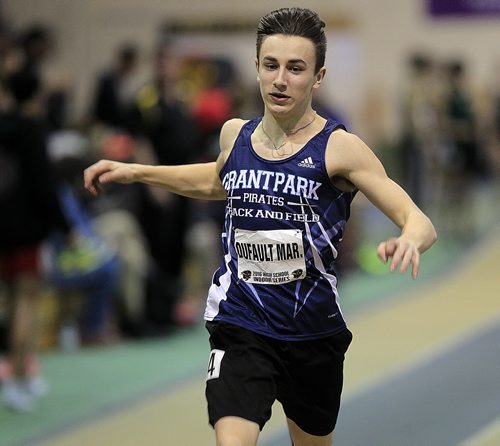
(247, 372)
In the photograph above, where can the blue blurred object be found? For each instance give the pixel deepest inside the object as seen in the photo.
(85, 258)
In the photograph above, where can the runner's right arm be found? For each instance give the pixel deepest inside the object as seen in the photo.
(190, 180)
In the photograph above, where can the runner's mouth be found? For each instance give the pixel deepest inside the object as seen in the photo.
(279, 96)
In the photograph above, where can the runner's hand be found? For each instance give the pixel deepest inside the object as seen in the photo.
(106, 171)
(402, 251)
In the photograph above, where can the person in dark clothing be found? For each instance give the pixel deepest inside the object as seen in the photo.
(421, 128)
(36, 44)
(109, 104)
(464, 165)
(30, 211)
(163, 120)
(461, 120)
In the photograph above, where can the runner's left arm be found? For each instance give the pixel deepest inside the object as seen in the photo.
(355, 162)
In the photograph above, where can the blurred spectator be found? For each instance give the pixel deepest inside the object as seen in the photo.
(463, 163)
(37, 44)
(115, 218)
(165, 123)
(461, 122)
(211, 106)
(10, 61)
(112, 98)
(486, 101)
(494, 144)
(89, 266)
(30, 211)
(421, 143)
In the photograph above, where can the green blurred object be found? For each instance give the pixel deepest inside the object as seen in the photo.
(368, 261)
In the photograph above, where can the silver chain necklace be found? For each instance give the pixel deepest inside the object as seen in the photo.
(292, 132)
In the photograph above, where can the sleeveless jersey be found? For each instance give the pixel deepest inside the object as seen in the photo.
(283, 222)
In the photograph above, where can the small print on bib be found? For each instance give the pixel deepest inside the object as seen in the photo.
(270, 257)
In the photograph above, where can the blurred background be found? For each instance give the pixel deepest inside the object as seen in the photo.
(119, 351)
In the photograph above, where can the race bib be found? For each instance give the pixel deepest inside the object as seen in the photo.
(270, 257)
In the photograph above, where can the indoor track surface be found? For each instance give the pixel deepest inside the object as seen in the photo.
(423, 370)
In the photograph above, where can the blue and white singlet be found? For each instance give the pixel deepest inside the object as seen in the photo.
(283, 222)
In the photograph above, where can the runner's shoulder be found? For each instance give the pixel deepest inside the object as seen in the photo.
(229, 133)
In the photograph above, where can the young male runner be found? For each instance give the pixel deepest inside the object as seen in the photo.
(288, 178)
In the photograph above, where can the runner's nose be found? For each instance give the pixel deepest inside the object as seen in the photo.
(280, 80)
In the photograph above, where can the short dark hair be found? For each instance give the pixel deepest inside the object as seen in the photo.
(456, 69)
(295, 22)
(23, 85)
(420, 63)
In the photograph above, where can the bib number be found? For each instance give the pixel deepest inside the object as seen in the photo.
(214, 363)
(270, 257)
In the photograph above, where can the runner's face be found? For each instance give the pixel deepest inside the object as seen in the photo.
(286, 71)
